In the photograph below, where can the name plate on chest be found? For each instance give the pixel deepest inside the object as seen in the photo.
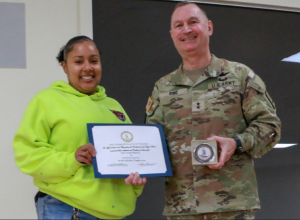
(204, 152)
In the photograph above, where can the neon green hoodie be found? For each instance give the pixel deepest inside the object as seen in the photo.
(52, 128)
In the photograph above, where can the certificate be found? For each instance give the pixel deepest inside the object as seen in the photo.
(128, 148)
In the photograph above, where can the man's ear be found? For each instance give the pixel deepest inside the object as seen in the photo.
(210, 27)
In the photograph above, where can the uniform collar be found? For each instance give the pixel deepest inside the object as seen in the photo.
(216, 66)
(214, 69)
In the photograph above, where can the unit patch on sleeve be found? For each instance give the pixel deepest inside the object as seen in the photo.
(119, 115)
(149, 104)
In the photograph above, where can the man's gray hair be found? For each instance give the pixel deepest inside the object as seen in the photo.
(183, 3)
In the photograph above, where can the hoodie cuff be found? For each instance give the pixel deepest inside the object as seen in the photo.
(74, 165)
(138, 190)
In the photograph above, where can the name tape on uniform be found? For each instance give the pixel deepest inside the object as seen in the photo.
(223, 84)
(177, 92)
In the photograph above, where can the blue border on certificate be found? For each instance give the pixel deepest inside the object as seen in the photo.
(164, 145)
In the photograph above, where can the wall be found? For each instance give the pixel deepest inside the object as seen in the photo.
(49, 25)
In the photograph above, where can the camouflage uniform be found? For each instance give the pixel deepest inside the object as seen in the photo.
(243, 214)
(227, 100)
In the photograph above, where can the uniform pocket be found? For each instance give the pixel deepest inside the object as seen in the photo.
(176, 107)
(226, 101)
(257, 84)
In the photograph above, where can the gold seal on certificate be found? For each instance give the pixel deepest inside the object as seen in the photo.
(204, 152)
(126, 136)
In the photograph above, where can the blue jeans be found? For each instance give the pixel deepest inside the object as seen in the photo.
(48, 207)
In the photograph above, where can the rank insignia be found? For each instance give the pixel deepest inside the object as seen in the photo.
(119, 115)
(149, 104)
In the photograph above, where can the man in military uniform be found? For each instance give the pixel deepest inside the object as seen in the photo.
(214, 99)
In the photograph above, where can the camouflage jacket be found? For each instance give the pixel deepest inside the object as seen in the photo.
(228, 100)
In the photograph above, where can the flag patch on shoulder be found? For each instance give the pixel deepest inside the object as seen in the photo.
(149, 104)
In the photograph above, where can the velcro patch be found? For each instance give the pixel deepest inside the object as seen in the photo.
(251, 74)
(257, 84)
(149, 104)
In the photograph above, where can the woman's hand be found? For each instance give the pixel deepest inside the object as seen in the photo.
(85, 153)
(135, 179)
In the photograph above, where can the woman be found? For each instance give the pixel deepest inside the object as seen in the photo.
(52, 143)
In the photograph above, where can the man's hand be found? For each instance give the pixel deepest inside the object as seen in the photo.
(85, 153)
(228, 146)
(135, 179)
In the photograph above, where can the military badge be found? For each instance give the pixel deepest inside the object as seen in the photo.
(223, 74)
(119, 115)
(204, 152)
(222, 78)
(149, 104)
